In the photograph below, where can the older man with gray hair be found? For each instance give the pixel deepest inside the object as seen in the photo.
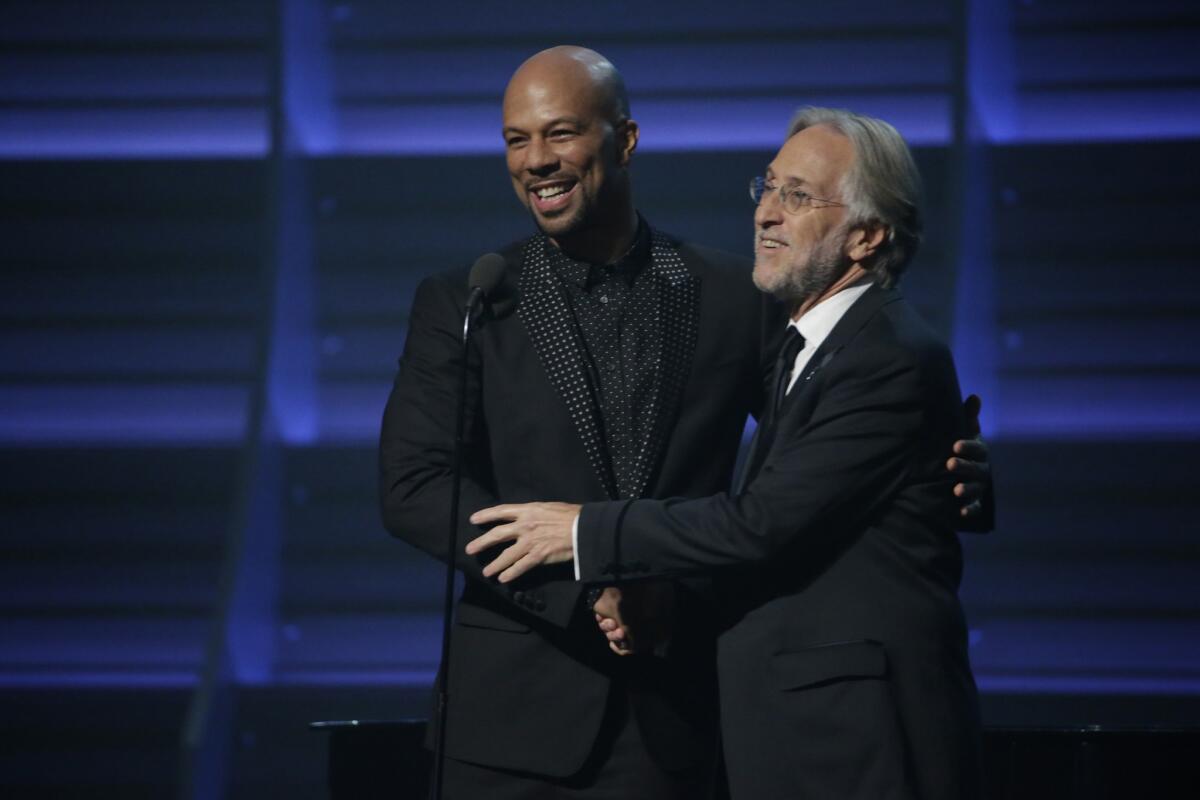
(842, 655)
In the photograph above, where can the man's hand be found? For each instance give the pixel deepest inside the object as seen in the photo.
(637, 618)
(970, 462)
(540, 534)
(608, 616)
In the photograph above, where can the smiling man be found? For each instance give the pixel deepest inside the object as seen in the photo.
(568, 142)
(627, 371)
(842, 657)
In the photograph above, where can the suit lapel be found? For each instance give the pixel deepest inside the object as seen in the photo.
(546, 314)
(676, 299)
(801, 395)
(846, 329)
(551, 326)
(843, 332)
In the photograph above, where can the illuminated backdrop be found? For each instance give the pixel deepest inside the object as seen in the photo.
(214, 215)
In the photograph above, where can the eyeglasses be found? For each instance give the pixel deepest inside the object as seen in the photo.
(793, 199)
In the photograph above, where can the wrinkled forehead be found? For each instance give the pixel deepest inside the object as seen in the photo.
(817, 157)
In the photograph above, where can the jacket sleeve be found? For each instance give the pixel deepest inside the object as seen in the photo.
(820, 483)
(416, 452)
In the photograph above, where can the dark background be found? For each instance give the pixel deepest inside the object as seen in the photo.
(212, 219)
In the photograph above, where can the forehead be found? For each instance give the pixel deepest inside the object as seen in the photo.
(818, 156)
(538, 94)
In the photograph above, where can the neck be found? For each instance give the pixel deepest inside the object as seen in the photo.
(853, 275)
(604, 242)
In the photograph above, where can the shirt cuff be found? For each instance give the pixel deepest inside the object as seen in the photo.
(575, 543)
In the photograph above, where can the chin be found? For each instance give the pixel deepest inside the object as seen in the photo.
(765, 280)
(777, 285)
(560, 225)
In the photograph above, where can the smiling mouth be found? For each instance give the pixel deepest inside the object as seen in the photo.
(770, 244)
(549, 197)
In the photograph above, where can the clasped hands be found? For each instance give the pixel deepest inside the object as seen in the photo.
(637, 617)
(540, 533)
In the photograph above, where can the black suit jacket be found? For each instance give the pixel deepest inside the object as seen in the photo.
(843, 664)
(530, 672)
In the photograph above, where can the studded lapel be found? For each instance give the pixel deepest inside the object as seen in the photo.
(546, 314)
(547, 317)
(677, 294)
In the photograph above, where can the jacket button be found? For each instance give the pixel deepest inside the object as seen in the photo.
(519, 598)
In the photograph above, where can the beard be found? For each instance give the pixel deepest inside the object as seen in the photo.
(563, 225)
(578, 221)
(810, 274)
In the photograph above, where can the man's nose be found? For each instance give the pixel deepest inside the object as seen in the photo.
(540, 158)
(769, 210)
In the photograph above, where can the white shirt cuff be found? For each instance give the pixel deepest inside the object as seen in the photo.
(575, 544)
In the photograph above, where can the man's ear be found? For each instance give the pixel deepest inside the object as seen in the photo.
(627, 139)
(865, 240)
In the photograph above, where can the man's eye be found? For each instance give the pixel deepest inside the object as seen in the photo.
(800, 196)
(562, 133)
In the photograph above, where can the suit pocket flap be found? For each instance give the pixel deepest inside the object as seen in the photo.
(828, 662)
(479, 617)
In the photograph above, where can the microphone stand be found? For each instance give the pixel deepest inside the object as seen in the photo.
(443, 693)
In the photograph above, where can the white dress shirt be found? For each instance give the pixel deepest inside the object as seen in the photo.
(819, 321)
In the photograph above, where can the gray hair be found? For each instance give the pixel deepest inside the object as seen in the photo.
(881, 188)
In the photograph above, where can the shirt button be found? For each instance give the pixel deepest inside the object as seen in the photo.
(604, 299)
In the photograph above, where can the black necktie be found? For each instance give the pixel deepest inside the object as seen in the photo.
(793, 343)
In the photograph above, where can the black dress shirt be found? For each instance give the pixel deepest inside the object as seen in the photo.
(614, 308)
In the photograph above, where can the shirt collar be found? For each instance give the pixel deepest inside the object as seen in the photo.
(819, 321)
(586, 275)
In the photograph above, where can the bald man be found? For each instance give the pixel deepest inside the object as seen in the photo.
(627, 371)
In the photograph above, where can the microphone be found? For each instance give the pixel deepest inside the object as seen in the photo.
(489, 283)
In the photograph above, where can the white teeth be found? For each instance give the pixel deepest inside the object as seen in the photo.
(551, 191)
(770, 243)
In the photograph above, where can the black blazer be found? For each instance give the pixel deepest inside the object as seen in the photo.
(843, 662)
(530, 672)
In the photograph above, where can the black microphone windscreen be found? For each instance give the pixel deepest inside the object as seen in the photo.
(487, 273)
